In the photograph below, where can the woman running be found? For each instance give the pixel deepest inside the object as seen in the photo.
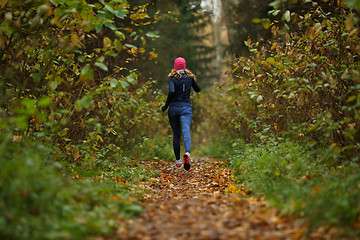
(181, 80)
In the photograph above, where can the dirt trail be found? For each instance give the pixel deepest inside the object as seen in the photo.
(198, 204)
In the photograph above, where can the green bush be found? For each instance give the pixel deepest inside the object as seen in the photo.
(307, 75)
(68, 77)
(220, 146)
(155, 148)
(37, 202)
(294, 179)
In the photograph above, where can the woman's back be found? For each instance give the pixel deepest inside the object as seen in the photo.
(181, 88)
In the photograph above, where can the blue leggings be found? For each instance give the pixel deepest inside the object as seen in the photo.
(180, 121)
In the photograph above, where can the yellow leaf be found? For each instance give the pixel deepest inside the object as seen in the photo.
(107, 42)
(3, 3)
(349, 24)
(249, 42)
(287, 36)
(235, 69)
(100, 138)
(297, 234)
(142, 50)
(273, 46)
(353, 32)
(74, 39)
(133, 51)
(271, 60)
(153, 55)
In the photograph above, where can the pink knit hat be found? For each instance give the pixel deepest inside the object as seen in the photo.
(180, 63)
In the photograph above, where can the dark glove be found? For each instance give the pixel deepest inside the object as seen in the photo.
(163, 108)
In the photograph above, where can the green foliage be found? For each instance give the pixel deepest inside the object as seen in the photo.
(242, 18)
(212, 110)
(295, 103)
(293, 179)
(71, 100)
(219, 146)
(39, 203)
(353, 3)
(304, 82)
(158, 147)
(60, 84)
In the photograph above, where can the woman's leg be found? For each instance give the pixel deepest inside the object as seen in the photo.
(185, 118)
(174, 120)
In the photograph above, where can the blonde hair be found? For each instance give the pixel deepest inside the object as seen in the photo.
(175, 73)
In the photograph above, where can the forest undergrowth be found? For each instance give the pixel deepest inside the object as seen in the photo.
(81, 131)
(291, 177)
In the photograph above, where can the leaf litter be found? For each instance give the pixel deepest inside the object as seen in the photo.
(203, 204)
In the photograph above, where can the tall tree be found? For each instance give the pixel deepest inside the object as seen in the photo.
(239, 17)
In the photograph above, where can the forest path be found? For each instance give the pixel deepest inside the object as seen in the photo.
(198, 204)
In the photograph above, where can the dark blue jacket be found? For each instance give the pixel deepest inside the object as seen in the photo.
(179, 91)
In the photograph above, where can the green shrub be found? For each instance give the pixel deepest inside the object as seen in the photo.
(154, 148)
(307, 75)
(294, 179)
(219, 146)
(76, 90)
(37, 202)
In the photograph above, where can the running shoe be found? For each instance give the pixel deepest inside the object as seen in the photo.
(178, 163)
(187, 160)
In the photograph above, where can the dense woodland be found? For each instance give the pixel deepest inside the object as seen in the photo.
(82, 83)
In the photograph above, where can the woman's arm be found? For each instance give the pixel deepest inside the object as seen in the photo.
(195, 86)
(170, 95)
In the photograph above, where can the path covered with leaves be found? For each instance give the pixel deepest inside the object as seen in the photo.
(203, 204)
